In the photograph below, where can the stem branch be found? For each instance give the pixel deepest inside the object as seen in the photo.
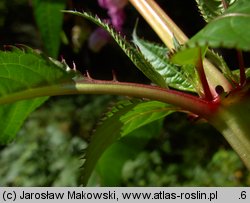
(89, 86)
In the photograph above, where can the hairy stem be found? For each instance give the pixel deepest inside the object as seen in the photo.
(88, 86)
(167, 29)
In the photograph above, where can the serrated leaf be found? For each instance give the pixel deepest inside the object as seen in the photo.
(135, 56)
(24, 70)
(173, 75)
(124, 118)
(211, 9)
(230, 30)
(221, 64)
(49, 20)
(144, 113)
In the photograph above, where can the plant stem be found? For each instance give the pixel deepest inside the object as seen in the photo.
(225, 4)
(242, 68)
(166, 29)
(160, 22)
(235, 128)
(88, 86)
(203, 79)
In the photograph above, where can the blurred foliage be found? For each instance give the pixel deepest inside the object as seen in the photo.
(44, 158)
(183, 153)
(48, 149)
(149, 169)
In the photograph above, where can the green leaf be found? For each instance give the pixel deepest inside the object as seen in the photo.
(173, 75)
(189, 56)
(124, 118)
(135, 56)
(221, 64)
(144, 113)
(124, 149)
(24, 70)
(13, 115)
(49, 20)
(237, 73)
(211, 9)
(248, 72)
(230, 30)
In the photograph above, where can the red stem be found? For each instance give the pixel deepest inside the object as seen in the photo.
(185, 101)
(203, 79)
(242, 68)
(239, 56)
(225, 4)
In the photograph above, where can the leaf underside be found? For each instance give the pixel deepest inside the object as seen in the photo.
(125, 117)
(173, 75)
(229, 30)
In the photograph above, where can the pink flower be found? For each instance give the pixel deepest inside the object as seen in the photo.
(112, 4)
(117, 17)
(98, 39)
(115, 11)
